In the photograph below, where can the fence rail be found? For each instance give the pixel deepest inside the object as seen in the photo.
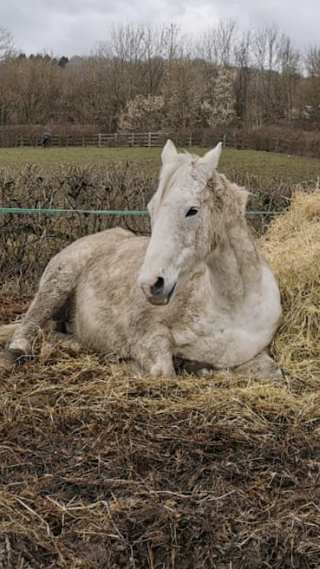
(16, 210)
(10, 138)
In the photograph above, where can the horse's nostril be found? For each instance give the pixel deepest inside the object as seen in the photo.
(158, 286)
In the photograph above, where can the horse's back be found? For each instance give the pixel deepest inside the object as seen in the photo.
(73, 258)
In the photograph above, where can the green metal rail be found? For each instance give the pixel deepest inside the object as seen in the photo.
(105, 212)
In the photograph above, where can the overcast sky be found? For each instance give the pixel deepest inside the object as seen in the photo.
(72, 27)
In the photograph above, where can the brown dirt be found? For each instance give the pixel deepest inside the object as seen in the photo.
(12, 306)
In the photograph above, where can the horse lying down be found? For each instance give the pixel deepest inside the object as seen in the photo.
(198, 290)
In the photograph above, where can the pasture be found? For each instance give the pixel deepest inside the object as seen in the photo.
(102, 468)
(294, 169)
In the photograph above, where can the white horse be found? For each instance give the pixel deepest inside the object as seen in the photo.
(205, 293)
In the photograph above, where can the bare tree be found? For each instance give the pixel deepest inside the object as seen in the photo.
(312, 61)
(30, 91)
(162, 44)
(290, 73)
(309, 87)
(87, 92)
(267, 45)
(7, 47)
(180, 89)
(243, 75)
(124, 49)
(217, 43)
(154, 76)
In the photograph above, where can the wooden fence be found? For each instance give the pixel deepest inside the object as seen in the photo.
(12, 136)
(104, 140)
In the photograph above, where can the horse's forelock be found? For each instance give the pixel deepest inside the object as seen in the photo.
(174, 172)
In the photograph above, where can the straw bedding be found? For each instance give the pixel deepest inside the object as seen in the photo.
(101, 468)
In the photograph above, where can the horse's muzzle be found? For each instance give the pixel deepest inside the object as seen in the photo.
(157, 294)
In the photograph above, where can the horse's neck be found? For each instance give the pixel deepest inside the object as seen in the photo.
(235, 265)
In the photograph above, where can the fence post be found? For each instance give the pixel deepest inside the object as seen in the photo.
(224, 141)
(99, 139)
(190, 140)
(149, 139)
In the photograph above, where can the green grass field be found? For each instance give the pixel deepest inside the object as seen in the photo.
(266, 164)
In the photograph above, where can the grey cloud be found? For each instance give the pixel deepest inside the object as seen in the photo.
(74, 26)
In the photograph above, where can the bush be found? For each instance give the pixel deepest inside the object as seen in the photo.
(28, 241)
(284, 139)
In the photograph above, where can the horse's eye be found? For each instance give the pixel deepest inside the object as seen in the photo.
(192, 211)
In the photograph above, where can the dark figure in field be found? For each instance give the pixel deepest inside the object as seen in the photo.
(46, 139)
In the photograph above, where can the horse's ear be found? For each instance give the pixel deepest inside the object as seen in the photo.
(211, 159)
(169, 152)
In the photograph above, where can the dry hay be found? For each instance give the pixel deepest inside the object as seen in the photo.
(293, 248)
(103, 469)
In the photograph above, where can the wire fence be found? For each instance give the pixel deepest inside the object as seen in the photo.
(30, 237)
(14, 210)
(42, 212)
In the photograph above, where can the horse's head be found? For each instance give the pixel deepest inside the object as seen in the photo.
(185, 220)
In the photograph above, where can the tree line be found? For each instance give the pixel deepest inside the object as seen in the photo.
(152, 78)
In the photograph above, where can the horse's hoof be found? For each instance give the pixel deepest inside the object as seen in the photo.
(8, 360)
(7, 363)
(276, 374)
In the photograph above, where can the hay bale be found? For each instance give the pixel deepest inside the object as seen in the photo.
(103, 468)
(292, 246)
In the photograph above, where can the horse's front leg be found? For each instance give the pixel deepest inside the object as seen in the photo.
(154, 355)
(55, 288)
